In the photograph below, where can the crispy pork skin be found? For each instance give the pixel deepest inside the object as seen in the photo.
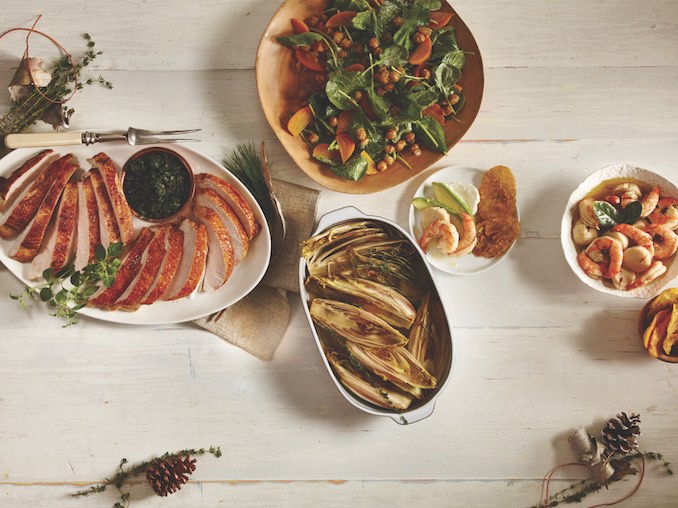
(58, 247)
(23, 210)
(16, 183)
(219, 249)
(174, 246)
(28, 243)
(192, 264)
(211, 199)
(108, 225)
(234, 199)
(122, 211)
(88, 223)
(129, 268)
(151, 262)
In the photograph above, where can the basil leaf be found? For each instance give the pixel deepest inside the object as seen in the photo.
(431, 133)
(631, 213)
(354, 169)
(298, 40)
(606, 214)
(416, 17)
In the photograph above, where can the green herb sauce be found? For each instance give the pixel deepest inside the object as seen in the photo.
(156, 185)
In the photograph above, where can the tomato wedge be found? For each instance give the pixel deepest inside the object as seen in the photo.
(299, 26)
(355, 67)
(439, 19)
(366, 105)
(308, 61)
(422, 53)
(344, 121)
(341, 19)
(436, 112)
(346, 146)
(371, 166)
(299, 121)
(323, 153)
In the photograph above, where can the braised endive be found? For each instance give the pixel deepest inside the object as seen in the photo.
(379, 299)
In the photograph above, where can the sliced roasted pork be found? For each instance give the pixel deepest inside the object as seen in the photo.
(58, 247)
(88, 223)
(108, 225)
(234, 199)
(192, 265)
(128, 271)
(28, 243)
(211, 199)
(151, 262)
(16, 183)
(220, 259)
(20, 213)
(174, 246)
(122, 211)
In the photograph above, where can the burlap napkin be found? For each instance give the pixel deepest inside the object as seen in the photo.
(258, 322)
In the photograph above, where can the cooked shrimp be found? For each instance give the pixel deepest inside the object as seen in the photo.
(637, 235)
(432, 214)
(602, 258)
(628, 193)
(586, 213)
(665, 241)
(657, 269)
(649, 202)
(666, 213)
(445, 235)
(469, 238)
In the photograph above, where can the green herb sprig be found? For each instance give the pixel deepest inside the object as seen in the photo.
(37, 106)
(123, 474)
(69, 290)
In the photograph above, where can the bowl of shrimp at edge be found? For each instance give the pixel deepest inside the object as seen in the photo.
(619, 231)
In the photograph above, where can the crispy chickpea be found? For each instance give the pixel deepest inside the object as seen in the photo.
(394, 110)
(388, 87)
(447, 109)
(419, 38)
(373, 43)
(398, 21)
(318, 46)
(424, 30)
(380, 91)
(409, 137)
(357, 95)
(333, 121)
(338, 37)
(346, 43)
(425, 73)
(363, 142)
(312, 21)
(415, 150)
(391, 134)
(394, 76)
(361, 133)
(387, 38)
(323, 18)
(313, 138)
(389, 149)
(457, 88)
(389, 160)
(358, 48)
(342, 53)
(382, 165)
(400, 145)
(377, 52)
(453, 99)
(382, 77)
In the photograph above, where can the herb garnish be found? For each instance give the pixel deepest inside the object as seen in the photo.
(68, 290)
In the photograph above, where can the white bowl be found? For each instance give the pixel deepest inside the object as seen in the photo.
(570, 250)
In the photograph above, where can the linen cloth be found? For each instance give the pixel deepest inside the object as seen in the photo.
(258, 322)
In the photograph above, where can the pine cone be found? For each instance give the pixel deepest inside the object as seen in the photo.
(620, 434)
(167, 475)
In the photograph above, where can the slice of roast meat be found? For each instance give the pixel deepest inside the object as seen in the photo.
(16, 183)
(122, 211)
(174, 246)
(28, 243)
(58, 247)
(234, 199)
(22, 211)
(108, 225)
(211, 199)
(192, 265)
(88, 223)
(151, 262)
(219, 249)
(131, 264)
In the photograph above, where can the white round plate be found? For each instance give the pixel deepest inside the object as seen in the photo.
(244, 278)
(464, 265)
(668, 189)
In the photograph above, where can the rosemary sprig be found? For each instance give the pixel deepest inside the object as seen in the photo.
(36, 106)
(245, 164)
(576, 492)
(122, 474)
(68, 290)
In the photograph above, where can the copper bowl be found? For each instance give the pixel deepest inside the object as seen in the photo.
(278, 82)
(185, 165)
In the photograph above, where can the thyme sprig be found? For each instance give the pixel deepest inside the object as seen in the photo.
(68, 290)
(576, 492)
(124, 472)
(49, 99)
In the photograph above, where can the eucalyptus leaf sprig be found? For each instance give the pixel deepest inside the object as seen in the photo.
(125, 472)
(69, 290)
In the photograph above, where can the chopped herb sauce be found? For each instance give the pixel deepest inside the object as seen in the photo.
(157, 185)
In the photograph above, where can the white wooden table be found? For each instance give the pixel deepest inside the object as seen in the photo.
(570, 87)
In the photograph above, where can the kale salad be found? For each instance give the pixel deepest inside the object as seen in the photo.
(380, 79)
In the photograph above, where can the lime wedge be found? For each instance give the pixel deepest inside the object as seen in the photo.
(461, 198)
(422, 203)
